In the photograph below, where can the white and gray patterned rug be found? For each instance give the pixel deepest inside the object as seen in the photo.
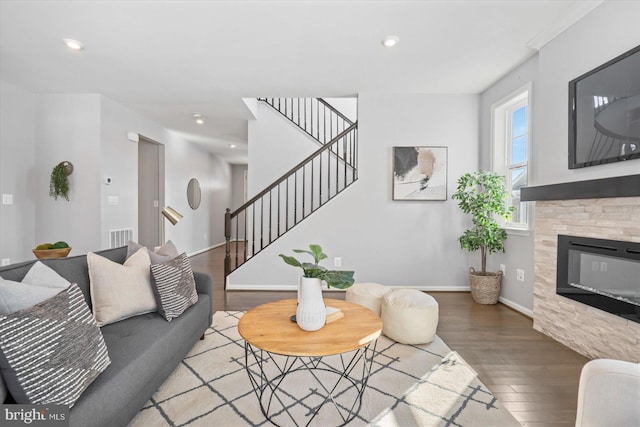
(410, 385)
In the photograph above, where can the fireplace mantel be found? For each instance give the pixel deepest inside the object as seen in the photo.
(619, 186)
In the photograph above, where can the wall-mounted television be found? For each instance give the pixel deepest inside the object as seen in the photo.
(604, 113)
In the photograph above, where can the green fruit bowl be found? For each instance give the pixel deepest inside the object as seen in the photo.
(51, 253)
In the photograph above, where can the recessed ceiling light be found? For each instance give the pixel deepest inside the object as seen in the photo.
(390, 41)
(232, 145)
(198, 118)
(73, 44)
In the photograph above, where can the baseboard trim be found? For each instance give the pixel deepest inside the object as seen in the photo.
(517, 307)
(242, 287)
(198, 252)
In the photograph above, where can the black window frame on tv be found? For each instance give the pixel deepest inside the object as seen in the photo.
(574, 106)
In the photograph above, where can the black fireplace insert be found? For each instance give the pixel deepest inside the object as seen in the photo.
(601, 273)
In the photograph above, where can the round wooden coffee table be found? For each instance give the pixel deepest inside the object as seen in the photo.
(304, 377)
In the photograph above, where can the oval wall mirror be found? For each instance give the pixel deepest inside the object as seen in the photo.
(193, 193)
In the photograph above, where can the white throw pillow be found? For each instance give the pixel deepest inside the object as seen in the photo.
(120, 291)
(39, 284)
(41, 275)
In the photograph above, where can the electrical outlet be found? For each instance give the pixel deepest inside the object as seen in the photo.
(595, 266)
(503, 268)
(337, 262)
(7, 199)
(520, 275)
(604, 266)
(6, 261)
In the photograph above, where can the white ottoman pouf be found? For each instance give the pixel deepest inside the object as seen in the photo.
(409, 316)
(367, 294)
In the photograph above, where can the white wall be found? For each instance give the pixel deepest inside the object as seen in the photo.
(90, 130)
(119, 161)
(578, 50)
(389, 242)
(68, 128)
(237, 186)
(574, 52)
(347, 106)
(198, 229)
(204, 227)
(519, 246)
(275, 146)
(17, 172)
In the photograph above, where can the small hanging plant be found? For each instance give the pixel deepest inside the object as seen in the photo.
(59, 182)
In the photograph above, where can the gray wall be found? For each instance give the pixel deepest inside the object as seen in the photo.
(385, 241)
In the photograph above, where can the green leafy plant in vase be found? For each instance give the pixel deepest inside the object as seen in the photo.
(483, 195)
(335, 279)
(311, 311)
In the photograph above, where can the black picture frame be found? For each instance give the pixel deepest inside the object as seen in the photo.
(604, 120)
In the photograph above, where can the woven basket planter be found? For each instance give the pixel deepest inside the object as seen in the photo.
(485, 288)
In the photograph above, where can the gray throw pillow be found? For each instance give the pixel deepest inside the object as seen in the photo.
(160, 254)
(174, 286)
(3, 391)
(39, 284)
(51, 352)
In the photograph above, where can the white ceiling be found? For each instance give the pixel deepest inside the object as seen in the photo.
(167, 59)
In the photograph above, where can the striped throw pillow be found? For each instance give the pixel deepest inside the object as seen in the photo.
(52, 351)
(174, 286)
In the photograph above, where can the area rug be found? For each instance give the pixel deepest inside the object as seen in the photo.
(410, 385)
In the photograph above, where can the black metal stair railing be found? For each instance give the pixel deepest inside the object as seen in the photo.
(291, 198)
(315, 116)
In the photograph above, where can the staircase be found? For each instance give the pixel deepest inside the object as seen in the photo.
(302, 190)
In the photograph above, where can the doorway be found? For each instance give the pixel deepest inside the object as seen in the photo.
(150, 192)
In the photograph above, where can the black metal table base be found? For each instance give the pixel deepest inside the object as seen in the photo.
(332, 394)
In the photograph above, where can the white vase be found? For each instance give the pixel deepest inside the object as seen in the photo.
(311, 313)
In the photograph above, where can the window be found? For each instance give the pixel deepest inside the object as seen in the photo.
(511, 136)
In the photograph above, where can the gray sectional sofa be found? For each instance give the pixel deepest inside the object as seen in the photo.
(143, 349)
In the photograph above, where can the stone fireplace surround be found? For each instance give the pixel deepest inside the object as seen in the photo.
(603, 209)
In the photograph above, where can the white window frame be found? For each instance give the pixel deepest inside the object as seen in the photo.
(501, 144)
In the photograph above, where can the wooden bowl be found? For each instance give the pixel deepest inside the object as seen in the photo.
(51, 253)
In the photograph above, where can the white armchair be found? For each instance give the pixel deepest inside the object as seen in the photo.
(609, 394)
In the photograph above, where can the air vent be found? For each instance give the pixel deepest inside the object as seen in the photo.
(120, 237)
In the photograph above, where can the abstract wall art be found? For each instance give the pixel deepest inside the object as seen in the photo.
(419, 173)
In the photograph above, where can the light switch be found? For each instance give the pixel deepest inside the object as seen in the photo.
(7, 199)
(112, 200)
(155, 204)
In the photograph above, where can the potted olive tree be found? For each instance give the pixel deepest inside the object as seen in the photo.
(483, 195)
(311, 312)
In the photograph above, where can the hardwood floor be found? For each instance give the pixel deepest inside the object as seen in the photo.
(535, 377)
